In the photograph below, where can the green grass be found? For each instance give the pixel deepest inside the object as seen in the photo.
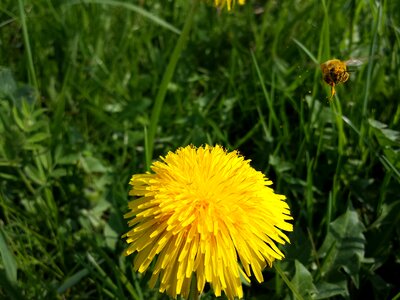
(91, 91)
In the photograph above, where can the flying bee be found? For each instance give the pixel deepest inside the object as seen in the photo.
(335, 71)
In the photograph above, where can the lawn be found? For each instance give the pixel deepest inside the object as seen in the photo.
(94, 91)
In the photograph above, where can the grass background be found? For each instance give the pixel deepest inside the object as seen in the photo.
(78, 85)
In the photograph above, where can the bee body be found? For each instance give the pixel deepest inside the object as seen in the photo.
(335, 71)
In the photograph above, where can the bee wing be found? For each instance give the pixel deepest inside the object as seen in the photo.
(353, 62)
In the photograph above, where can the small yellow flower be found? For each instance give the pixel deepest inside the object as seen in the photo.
(228, 3)
(208, 212)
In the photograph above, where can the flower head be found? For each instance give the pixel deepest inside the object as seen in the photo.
(208, 212)
(228, 3)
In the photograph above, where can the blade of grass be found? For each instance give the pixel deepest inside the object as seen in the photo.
(155, 115)
(123, 280)
(267, 97)
(337, 115)
(372, 50)
(397, 296)
(323, 47)
(329, 210)
(107, 281)
(134, 8)
(306, 51)
(31, 68)
(248, 135)
(309, 190)
(72, 280)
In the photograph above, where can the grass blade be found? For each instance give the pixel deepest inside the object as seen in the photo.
(155, 115)
(31, 69)
(134, 8)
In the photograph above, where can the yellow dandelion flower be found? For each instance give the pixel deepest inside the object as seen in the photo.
(228, 3)
(205, 211)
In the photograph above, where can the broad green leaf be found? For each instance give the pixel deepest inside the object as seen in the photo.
(59, 172)
(69, 159)
(343, 248)
(35, 175)
(280, 165)
(380, 234)
(8, 86)
(38, 137)
(389, 140)
(8, 260)
(303, 281)
(328, 290)
(393, 156)
(92, 165)
(382, 132)
(389, 216)
(111, 236)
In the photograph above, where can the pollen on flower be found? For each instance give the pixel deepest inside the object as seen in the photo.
(205, 211)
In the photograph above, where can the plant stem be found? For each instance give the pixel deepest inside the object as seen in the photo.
(155, 115)
(32, 73)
